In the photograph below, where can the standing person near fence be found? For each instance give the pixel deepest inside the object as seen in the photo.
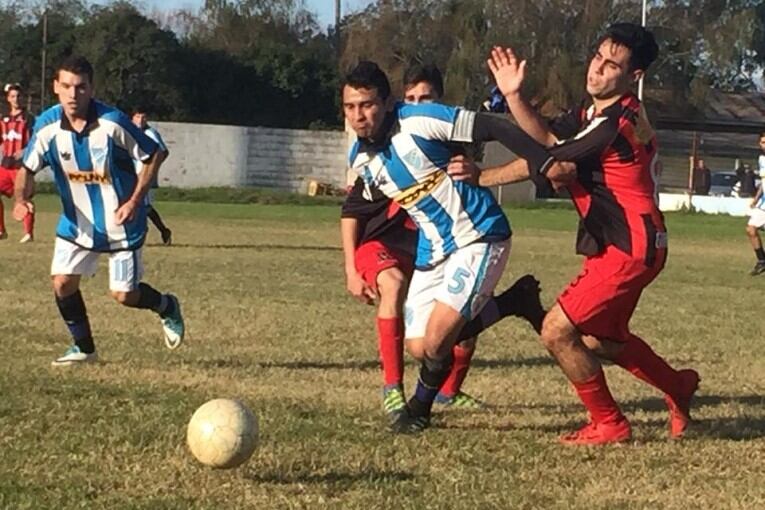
(757, 216)
(16, 128)
(139, 118)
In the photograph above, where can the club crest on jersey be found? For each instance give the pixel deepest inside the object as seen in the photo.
(414, 159)
(66, 156)
(99, 156)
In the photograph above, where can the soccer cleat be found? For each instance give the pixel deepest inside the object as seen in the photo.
(680, 407)
(3, 234)
(74, 356)
(461, 400)
(393, 400)
(28, 238)
(759, 268)
(167, 237)
(523, 300)
(599, 433)
(173, 325)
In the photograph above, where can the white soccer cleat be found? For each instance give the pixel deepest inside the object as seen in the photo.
(28, 238)
(74, 356)
(173, 326)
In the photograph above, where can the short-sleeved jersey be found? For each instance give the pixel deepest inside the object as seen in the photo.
(409, 167)
(16, 131)
(94, 172)
(154, 135)
(380, 219)
(616, 192)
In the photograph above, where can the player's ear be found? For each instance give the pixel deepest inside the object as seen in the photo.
(637, 74)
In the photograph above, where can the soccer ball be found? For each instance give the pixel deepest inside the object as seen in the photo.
(222, 433)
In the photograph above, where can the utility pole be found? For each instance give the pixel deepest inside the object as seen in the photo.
(337, 28)
(644, 19)
(43, 80)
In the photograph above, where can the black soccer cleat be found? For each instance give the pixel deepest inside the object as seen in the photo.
(523, 300)
(759, 268)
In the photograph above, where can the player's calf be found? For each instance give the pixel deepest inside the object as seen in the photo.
(73, 311)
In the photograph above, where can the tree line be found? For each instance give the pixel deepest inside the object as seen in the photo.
(267, 62)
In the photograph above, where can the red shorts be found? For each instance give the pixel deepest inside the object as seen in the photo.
(600, 301)
(373, 257)
(7, 180)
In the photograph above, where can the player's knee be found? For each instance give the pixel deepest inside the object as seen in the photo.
(552, 333)
(63, 286)
(392, 283)
(415, 349)
(751, 231)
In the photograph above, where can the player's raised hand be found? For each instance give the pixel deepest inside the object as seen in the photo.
(461, 168)
(126, 212)
(359, 289)
(21, 209)
(509, 72)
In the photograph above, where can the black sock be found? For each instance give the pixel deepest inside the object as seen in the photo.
(760, 254)
(489, 316)
(156, 219)
(433, 373)
(72, 309)
(151, 299)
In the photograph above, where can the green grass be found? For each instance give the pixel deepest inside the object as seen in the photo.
(270, 323)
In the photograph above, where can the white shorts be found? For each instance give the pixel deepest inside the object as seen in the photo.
(125, 267)
(757, 218)
(464, 281)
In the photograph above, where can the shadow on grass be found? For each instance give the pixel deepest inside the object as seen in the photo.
(234, 363)
(334, 478)
(257, 247)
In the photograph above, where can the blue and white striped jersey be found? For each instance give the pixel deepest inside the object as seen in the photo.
(94, 172)
(409, 167)
(761, 163)
(154, 135)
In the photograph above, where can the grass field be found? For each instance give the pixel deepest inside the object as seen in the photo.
(269, 322)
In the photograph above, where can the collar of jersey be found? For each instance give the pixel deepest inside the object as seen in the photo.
(91, 119)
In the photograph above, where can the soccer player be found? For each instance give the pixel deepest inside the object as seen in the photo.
(91, 147)
(463, 235)
(622, 233)
(139, 119)
(16, 128)
(757, 217)
(379, 242)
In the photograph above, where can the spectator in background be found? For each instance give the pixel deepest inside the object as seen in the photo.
(702, 178)
(748, 182)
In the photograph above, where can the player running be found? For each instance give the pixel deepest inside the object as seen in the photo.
(140, 120)
(463, 235)
(757, 216)
(622, 233)
(16, 128)
(379, 241)
(91, 147)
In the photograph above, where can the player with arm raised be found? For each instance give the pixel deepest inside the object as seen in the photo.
(622, 233)
(90, 148)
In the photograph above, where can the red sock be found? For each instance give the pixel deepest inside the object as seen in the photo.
(597, 398)
(29, 223)
(638, 358)
(2, 216)
(391, 343)
(453, 382)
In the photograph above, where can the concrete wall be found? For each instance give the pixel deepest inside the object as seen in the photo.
(208, 155)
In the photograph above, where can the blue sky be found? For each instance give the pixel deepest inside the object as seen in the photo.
(325, 9)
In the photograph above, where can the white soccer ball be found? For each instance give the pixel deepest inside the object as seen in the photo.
(222, 433)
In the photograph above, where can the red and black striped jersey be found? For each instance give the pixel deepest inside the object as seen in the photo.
(616, 191)
(16, 131)
(380, 219)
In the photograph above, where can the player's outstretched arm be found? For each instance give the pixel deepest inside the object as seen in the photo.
(560, 173)
(22, 192)
(509, 73)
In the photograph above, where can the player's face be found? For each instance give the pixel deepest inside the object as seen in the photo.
(139, 119)
(762, 143)
(364, 110)
(74, 92)
(422, 92)
(14, 99)
(609, 72)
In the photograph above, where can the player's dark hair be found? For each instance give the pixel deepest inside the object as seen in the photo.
(427, 73)
(762, 135)
(368, 75)
(76, 64)
(637, 39)
(12, 86)
(138, 109)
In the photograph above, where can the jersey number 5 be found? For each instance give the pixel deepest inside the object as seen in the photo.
(457, 284)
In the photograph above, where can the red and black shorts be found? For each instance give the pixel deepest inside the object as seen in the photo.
(374, 257)
(7, 180)
(600, 301)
